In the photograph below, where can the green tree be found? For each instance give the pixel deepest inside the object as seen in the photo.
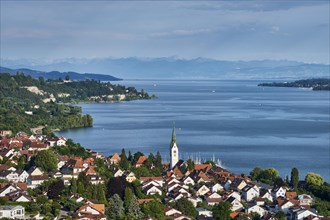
(154, 209)
(116, 185)
(73, 186)
(314, 179)
(116, 207)
(132, 208)
(222, 211)
(124, 163)
(186, 207)
(281, 216)
(158, 162)
(55, 189)
(190, 164)
(294, 178)
(101, 194)
(255, 173)
(46, 160)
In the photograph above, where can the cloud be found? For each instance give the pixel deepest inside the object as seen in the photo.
(180, 32)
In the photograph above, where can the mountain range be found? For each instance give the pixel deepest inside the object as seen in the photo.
(57, 74)
(175, 68)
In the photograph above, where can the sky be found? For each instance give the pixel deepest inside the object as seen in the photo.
(223, 30)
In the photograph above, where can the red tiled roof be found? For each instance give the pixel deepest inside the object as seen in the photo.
(141, 160)
(156, 178)
(115, 157)
(291, 195)
(207, 167)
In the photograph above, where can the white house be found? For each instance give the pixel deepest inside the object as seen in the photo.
(300, 214)
(266, 195)
(194, 200)
(278, 191)
(257, 209)
(204, 212)
(202, 190)
(305, 199)
(152, 190)
(250, 192)
(188, 180)
(118, 173)
(22, 176)
(216, 187)
(11, 176)
(130, 177)
(236, 205)
(12, 211)
(10, 188)
(61, 142)
(285, 206)
(171, 211)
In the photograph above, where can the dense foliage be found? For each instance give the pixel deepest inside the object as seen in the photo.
(316, 84)
(27, 103)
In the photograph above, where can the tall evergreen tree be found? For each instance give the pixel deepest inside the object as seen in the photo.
(101, 194)
(124, 163)
(73, 186)
(294, 178)
(116, 207)
(158, 162)
(132, 208)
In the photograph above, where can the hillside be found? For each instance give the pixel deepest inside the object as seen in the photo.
(59, 75)
(27, 103)
(315, 84)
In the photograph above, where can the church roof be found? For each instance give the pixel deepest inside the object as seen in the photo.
(173, 141)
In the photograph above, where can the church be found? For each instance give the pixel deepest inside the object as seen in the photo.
(174, 150)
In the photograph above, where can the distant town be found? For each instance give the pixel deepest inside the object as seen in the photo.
(50, 177)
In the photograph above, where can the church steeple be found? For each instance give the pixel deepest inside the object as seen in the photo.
(173, 137)
(174, 150)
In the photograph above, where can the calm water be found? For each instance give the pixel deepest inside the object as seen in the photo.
(241, 124)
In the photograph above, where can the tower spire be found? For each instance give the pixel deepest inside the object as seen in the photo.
(173, 137)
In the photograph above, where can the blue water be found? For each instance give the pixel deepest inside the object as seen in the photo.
(236, 121)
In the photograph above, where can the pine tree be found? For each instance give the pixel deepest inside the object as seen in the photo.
(294, 178)
(132, 208)
(158, 162)
(73, 186)
(101, 194)
(81, 188)
(116, 207)
(124, 163)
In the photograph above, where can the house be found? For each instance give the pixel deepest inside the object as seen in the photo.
(236, 205)
(171, 211)
(238, 184)
(257, 209)
(250, 192)
(217, 187)
(72, 168)
(115, 159)
(305, 200)
(61, 142)
(155, 179)
(8, 189)
(202, 190)
(204, 212)
(95, 179)
(9, 153)
(62, 159)
(22, 175)
(188, 181)
(194, 200)
(227, 184)
(285, 205)
(152, 190)
(6, 133)
(130, 177)
(300, 214)
(118, 173)
(213, 201)
(234, 194)
(34, 181)
(140, 161)
(266, 195)
(11, 176)
(18, 196)
(278, 191)
(12, 211)
(35, 171)
(37, 146)
(290, 195)
(91, 211)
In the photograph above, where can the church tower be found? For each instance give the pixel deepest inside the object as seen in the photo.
(174, 150)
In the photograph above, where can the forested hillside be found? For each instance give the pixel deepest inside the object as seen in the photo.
(28, 103)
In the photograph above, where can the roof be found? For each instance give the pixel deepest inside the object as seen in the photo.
(115, 157)
(155, 178)
(74, 163)
(291, 195)
(141, 201)
(141, 160)
(39, 177)
(98, 207)
(205, 167)
(234, 214)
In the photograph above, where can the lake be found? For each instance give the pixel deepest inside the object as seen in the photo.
(237, 122)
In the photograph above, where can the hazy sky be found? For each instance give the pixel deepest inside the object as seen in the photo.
(226, 30)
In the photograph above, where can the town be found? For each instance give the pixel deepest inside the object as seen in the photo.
(49, 177)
